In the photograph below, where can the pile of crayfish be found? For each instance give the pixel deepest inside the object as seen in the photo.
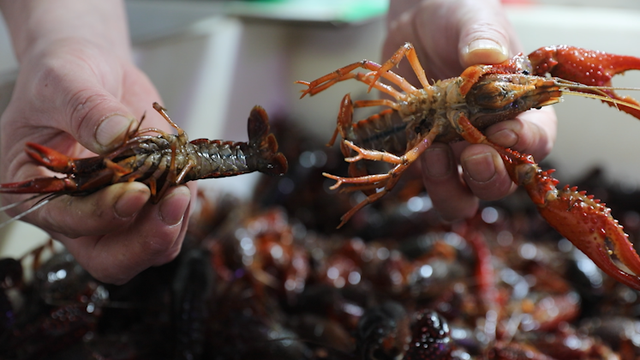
(272, 279)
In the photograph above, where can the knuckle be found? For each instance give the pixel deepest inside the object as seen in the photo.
(48, 77)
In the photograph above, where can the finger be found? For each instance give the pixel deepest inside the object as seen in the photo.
(98, 120)
(532, 132)
(427, 26)
(154, 239)
(78, 88)
(450, 196)
(485, 173)
(484, 36)
(97, 214)
(89, 92)
(450, 35)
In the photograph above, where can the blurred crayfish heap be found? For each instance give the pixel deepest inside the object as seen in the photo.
(273, 279)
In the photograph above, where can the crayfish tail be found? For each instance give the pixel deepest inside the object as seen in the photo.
(270, 161)
(258, 126)
(276, 166)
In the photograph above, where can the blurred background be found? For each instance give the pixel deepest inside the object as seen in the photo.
(212, 61)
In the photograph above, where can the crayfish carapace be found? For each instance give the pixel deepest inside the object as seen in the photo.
(159, 161)
(459, 108)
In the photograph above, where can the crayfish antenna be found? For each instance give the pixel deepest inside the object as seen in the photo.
(44, 200)
(605, 98)
(605, 94)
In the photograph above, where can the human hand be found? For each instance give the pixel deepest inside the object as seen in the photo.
(79, 93)
(450, 35)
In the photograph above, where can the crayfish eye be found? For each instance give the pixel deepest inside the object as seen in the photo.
(525, 72)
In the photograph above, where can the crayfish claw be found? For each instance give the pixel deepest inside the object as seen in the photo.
(570, 62)
(588, 224)
(580, 218)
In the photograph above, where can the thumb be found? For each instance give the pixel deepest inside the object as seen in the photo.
(98, 120)
(486, 36)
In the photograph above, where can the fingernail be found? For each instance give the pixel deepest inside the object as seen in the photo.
(506, 137)
(127, 205)
(480, 168)
(439, 162)
(174, 206)
(112, 130)
(486, 51)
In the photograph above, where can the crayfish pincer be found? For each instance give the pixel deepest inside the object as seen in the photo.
(460, 108)
(159, 161)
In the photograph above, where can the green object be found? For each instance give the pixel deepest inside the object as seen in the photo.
(332, 11)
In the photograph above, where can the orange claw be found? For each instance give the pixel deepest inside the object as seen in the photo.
(50, 158)
(39, 186)
(588, 224)
(54, 161)
(589, 67)
(580, 218)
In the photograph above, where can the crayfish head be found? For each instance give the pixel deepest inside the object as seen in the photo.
(511, 94)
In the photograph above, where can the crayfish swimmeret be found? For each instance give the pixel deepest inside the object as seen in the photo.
(459, 108)
(159, 161)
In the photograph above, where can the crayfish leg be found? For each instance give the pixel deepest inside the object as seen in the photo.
(390, 179)
(344, 122)
(368, 200)
(157, 107)
(407, 50)
(371, 79)
(118, 170)
(344, 73)
(172, 176)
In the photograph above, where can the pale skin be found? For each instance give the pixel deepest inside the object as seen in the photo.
(79, 92)
(450, 35)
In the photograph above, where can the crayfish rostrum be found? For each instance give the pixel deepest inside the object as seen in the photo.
(460, 108)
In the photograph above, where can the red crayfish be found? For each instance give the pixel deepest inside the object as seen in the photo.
(461, 107)
(159, 161)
